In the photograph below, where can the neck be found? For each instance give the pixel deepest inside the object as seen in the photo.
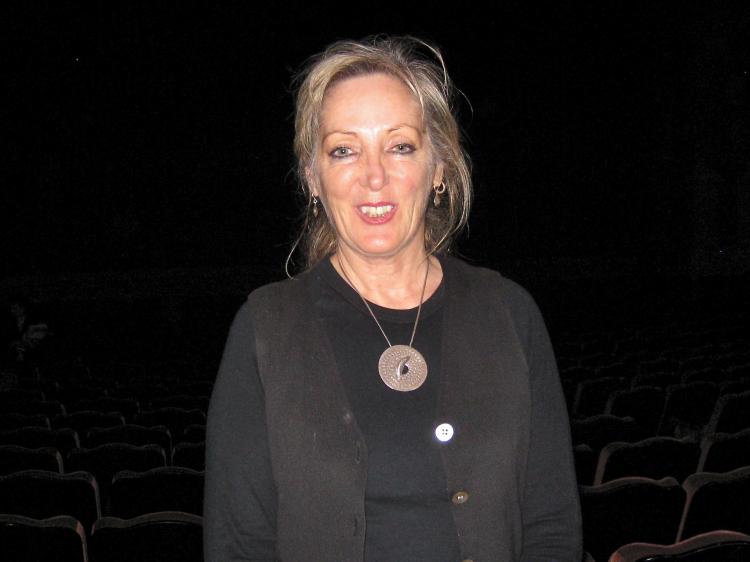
(389, 282)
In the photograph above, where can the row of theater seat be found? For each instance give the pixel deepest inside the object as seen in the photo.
(102, 461)
(616, 513)
(37, 402)
(714, 546)
(672, 366)
(159, 537)
(657, 402)
(81, 420)
(672, 353)
(156, 537)
(658, 457)
(105, 458)
(660, 344)
(684, 413)
(139, 434)
(655, 406)
(41, 494)
(110, 514)
(66, 439)
(639, 358)
(634, 509)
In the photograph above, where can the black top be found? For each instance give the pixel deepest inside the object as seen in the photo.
(408, 509)
(286, 463)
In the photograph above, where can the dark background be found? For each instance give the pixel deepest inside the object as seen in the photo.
(149, 146)
(147, 185)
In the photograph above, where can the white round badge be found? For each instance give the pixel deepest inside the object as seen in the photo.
(444, 432)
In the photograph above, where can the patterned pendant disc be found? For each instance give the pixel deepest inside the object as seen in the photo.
(402, 368)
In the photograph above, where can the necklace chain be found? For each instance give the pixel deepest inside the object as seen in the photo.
(419, 309)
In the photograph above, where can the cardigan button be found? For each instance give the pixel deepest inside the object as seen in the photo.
(460, 497)
(444, 432)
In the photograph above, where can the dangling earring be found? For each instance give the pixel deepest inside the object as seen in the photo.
(315, 205)
(439, 190)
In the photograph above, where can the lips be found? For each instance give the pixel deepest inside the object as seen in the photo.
(377, 213)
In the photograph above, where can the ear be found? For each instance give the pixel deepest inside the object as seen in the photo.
(437, 177)
(312, 182)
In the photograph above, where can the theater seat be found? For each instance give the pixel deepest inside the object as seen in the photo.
(35, 407)
(56, 539)
(630, 510)
(132, 434)
(20, 395)
(14, 458)
(83, 421)
(597, 431)
(40, 494)
(184, 401)
(128, 407)
(643, 403)
(107, 460)
(591, 395)
(661, 379)
(656, 457)
(194, 388)
(190, 455)
(64, 440)
(176, 419)
(585, 463)
(170, 536)
(194, 433)
(732, 414)
(688, 408)
(716, 501)
(723, 452)
(17, 421)
(716, 546)
(159, 489)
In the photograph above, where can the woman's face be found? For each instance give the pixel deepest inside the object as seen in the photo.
(374, 167)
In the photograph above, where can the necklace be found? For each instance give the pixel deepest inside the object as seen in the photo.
(401, 367)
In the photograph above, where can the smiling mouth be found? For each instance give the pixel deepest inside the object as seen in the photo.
(375, 212)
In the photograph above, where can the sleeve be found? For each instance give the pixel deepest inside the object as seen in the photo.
(239, 508)
(551, 510)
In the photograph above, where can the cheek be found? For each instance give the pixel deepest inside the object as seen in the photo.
(333, 197)
(336, 183)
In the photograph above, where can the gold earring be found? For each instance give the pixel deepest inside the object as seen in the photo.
(315, 205)
(439, 190)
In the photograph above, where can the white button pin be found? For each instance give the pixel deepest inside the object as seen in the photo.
(444, 432)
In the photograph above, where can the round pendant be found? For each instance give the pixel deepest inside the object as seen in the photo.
(402, 368)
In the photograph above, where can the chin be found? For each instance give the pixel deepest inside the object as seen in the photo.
(381, 246)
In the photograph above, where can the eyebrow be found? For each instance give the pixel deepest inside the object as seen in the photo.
(390, 130)
(349, 133)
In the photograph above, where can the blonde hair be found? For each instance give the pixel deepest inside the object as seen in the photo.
(421, 68)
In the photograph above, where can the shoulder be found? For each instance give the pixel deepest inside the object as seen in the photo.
(277, 292)
(488, 283)
(271, 293)
(494, 294)
(279, 301)
(485, 291)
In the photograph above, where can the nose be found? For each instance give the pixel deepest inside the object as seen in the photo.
(374, 175)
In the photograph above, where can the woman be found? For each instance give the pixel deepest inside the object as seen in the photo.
(392, 403)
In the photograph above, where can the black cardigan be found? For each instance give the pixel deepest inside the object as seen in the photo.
(286, 463)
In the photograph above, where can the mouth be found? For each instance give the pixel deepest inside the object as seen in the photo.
(376, 211)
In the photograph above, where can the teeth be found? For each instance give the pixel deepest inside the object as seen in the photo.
(374, 212)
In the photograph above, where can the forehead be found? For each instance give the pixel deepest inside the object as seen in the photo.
(370, 98)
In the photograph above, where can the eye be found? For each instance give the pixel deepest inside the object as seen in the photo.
(340, 152)
(403, 148)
